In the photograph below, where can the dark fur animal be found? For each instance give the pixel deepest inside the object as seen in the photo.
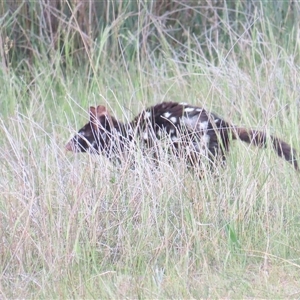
(186, 130)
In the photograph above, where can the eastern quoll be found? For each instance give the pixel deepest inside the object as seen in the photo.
(184, 129)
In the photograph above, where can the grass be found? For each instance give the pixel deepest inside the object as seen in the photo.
(76, 226)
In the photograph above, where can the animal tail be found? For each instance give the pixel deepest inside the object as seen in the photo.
(259, 139)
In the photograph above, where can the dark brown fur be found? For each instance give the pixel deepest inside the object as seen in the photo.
(259, 139)
(189, 129)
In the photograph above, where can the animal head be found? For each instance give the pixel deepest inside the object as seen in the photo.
(95, 136)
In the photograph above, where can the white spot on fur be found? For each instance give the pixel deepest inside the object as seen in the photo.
(183, 103)
(167, 114)
(172, 131)
(216, 120)
(190, 123)
(145, 135)
(147, 114)
(189, 109)
(203, 125)
(173, 119)
(204, 143)
(159, 133)
(130, 131)
(205, 138)
(175, 139)
(199, 109)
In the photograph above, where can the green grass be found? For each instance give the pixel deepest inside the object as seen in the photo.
(76, 226)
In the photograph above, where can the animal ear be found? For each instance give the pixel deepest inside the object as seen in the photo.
(93, 116)
(102, 111)
(96, 113)
(92, 112)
